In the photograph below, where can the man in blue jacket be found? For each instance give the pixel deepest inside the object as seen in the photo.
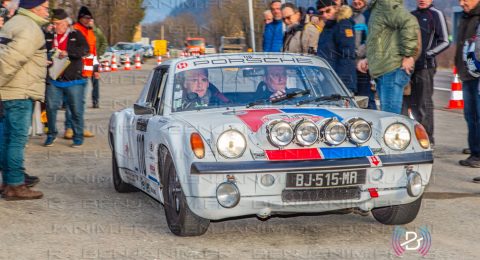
(273, 34)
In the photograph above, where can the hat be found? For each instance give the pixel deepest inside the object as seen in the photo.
(325, 3)
(30, 4)
(59, 14)
(311, 10)
(84, 11)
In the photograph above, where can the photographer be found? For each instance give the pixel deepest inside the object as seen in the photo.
(7, 10)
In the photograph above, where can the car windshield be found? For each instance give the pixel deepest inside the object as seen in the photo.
(195, 42)
(123, 47)
(257, 85)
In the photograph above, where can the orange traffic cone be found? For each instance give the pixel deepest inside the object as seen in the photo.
(138, 63)
(456, 96)
(159, 60)
(127, 64)
(114, 63)
(107, 66)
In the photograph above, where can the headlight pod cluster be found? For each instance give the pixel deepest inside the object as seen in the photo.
(231, 144)
(307, 133)
(397, 137)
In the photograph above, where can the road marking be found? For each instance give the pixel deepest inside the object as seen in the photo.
(442, 89)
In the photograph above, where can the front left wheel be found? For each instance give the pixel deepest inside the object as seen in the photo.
(398, 214)
(181, 220)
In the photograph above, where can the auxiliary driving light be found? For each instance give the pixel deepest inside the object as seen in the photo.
(267, 180)
(228, 194)
(414, 184)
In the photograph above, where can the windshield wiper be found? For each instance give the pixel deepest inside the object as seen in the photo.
(334, 97)
(294, 94)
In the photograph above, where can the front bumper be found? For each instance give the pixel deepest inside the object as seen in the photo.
(291, 166)
(257, 199)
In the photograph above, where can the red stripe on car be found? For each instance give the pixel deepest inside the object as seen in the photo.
(293, 154)
(254, 119)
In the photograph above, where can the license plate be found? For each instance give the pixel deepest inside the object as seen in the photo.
(326, 179)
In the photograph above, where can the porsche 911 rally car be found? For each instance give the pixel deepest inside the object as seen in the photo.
(220, 136)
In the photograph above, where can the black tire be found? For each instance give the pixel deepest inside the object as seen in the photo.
(398, 214)
(119, 185)
(180, 219)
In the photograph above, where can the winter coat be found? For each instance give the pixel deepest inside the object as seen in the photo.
(311, 33)
(293, 40)
(273, 36)
(337, 46)
(102, 43)
(89, 35)
(434, 34)
(77, 48)
(393, 34)
(23, 60)
(466, 30)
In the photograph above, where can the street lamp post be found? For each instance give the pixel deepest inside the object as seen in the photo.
(252, 26)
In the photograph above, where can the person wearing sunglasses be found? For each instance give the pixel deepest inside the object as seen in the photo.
(337, 42)
(293, 39)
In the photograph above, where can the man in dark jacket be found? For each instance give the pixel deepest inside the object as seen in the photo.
(273, 34)
(66, 42)
(337, 41)
(471, 96)
(434, 33)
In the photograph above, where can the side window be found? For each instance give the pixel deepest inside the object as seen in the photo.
(155, 87)
(161, 95)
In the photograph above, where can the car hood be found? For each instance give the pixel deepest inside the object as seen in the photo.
(252, 123)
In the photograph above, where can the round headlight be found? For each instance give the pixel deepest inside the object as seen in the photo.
(306, 133)
(228, 195)
(231, 144)
(334, 132)
(397, 137)
(360, 131)
(281, 133)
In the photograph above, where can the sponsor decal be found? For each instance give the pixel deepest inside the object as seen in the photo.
(403, 240)
(251, 60)
(255, 118)
(349, 33)
(375, 161)
(318, 153)
(142, 124)
(182, 65)
(153, 179)
(153, 168)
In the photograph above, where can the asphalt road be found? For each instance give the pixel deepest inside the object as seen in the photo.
(82, 217)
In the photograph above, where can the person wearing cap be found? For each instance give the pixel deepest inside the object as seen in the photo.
(337, 42)
(83, 25)
(66, 43)
(392, 46)
(23, 67)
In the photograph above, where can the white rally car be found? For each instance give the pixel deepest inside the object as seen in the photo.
(221, 136)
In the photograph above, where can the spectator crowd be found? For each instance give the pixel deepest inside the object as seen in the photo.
(381, 50)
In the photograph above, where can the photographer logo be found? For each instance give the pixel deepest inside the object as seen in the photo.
(404, 240)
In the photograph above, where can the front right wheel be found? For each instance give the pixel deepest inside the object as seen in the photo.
(181, 220)
(398, 214)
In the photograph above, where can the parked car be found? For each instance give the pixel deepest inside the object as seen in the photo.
(210, 49)
(233, 44)
(148, 51)
(128, 49)
(225, 147)
(108, 55)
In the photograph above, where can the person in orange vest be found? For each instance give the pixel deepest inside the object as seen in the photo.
(90, 63)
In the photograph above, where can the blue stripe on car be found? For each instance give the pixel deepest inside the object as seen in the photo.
(346, 152)
(153, 179)
(315, 112)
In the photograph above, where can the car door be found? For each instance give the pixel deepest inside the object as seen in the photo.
(145, 114)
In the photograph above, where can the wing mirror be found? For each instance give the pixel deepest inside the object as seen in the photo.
(143, 109)
(362, 101)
